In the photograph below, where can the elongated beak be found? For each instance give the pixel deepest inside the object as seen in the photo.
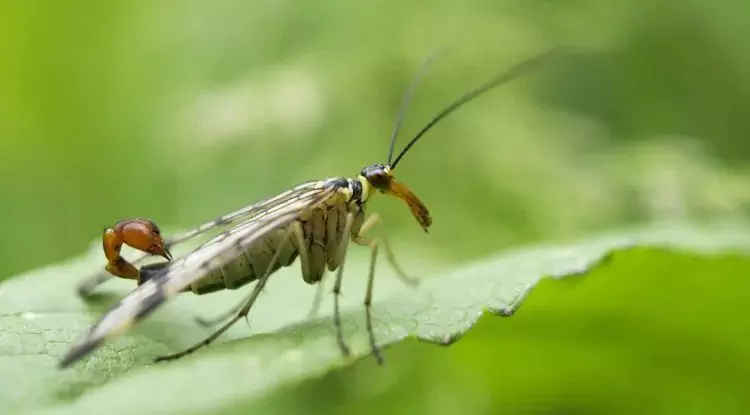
(418, 209)
(166, 253)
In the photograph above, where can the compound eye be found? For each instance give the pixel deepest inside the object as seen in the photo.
(379, 179)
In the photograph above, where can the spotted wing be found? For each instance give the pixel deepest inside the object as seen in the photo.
(182, 272)
(87, 285)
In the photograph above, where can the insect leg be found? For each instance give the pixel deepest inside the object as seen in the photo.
(304, 257)
(337, 285)
(210, 322)
(241, 314)
(317, 300)
(374, 244)
(362, 239)
(87, 286)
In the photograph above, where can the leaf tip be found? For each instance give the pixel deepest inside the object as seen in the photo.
(449, 339)
(508, 311)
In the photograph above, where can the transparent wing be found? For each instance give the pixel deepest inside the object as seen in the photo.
(182, 272)
(244, 213)
(89, 284)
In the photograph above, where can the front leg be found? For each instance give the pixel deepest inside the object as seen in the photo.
(374, 243)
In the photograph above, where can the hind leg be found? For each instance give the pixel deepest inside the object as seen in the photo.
(242, 313)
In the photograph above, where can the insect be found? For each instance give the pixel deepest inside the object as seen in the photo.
(314, 221)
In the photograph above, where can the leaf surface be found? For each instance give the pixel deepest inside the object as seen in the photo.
(40, 316)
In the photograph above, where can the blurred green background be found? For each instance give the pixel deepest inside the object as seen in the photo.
(181, 111)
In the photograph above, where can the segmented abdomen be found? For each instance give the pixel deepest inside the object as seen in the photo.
(249, 266)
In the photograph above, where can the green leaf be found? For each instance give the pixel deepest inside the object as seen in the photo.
(40, 316)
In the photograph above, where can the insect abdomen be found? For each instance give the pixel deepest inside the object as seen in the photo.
(251, 265)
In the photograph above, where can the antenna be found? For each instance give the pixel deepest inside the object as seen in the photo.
(406, 100)
(514, 72)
